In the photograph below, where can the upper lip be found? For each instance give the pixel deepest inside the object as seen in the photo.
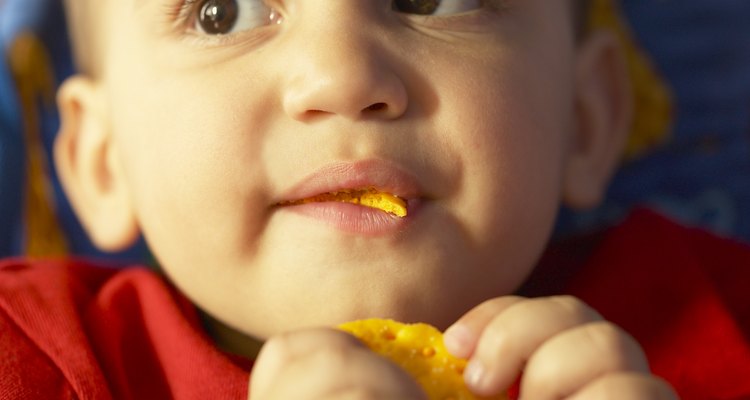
(381, 175)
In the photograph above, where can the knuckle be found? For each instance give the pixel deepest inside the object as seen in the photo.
(290, 346)
(334, 357)
(574, 306)
(494, 306)
(278, 347)
(568, 302)
(502, 302)
(619, 346)
(604, 335)
(497, 340)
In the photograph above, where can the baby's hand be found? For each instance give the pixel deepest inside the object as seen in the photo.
(326, 364)
(563, 347)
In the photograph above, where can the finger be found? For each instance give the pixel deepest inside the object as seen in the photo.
(569, 361)
(511, 338)
(284, 349)
(357, 373)
(326, 364)
(461, 338)
(627, 386)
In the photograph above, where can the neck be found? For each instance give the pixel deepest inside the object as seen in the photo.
(231, 340)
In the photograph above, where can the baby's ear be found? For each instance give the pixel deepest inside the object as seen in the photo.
(89, 167)
(604, 108)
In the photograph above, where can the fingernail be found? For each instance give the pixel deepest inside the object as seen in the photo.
(457, 339)
(474, 374)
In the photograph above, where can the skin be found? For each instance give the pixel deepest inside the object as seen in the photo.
(191, 140)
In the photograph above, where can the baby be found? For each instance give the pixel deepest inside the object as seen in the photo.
(206, 125)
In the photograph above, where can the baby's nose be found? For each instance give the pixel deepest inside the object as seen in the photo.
(342, 66)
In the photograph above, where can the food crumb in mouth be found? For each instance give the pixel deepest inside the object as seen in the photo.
(369, 197)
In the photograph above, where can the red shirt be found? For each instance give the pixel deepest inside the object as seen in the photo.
(72, 330)
(683, 293)
(69, 329)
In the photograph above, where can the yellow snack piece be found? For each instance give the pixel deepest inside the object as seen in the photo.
(419, 350)
(384, 201)
(369, 197)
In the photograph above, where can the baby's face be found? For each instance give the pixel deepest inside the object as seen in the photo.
(466, 114)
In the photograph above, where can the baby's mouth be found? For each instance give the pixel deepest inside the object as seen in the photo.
(368, 197)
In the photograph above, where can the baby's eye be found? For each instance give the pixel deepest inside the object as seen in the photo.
(220, 17)
(436, 7)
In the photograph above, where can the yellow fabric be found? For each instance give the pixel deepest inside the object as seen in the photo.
(32, 72)
(653, 99)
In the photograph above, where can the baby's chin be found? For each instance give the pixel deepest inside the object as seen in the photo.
(440, 312)
(246, 339)
(314, 288)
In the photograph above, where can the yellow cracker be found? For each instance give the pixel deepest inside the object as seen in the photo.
(384, 201)
(367, 197)
(419, 350)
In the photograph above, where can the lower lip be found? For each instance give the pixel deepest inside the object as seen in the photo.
(356, 219)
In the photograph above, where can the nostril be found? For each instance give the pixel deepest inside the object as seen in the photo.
(377, 107)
